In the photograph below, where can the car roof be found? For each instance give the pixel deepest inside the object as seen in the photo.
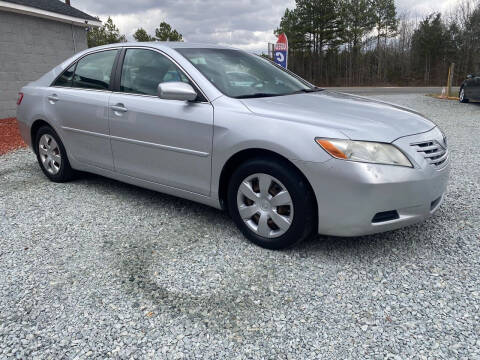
(168, 44)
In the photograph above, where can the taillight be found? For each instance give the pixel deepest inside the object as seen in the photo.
(19, 98)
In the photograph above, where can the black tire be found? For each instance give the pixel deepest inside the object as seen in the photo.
(304, 222)
(65, 172)
(461, 98)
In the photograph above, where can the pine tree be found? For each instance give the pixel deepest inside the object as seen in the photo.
(165, 33)
(108, 33)
(357, 19)
(141, 35)
(386, 23)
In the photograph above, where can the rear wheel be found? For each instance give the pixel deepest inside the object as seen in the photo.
(271, 203)
(461, 95)
(51, 155)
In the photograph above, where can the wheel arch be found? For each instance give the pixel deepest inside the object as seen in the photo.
(243, 155)
(465, 88)
(36, 125)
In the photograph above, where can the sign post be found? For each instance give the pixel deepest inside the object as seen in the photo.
(450, 79)
(280, 55)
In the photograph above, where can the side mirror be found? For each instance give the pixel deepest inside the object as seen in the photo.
(469, 76)
(176, 91)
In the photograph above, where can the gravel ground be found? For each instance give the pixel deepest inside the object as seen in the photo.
(96, 268)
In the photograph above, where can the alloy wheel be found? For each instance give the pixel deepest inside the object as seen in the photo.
(49, 153)
(265, 205)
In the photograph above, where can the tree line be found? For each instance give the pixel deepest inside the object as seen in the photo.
(366, 42)
(109, 33)
(360, 42)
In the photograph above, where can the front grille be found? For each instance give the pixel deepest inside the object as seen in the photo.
(433, 152)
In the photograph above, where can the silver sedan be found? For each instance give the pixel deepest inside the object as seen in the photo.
(231, 130)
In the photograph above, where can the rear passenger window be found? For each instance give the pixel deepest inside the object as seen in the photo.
(94, 71)
(144, 69)
(66, 78)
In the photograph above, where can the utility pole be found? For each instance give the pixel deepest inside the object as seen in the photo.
(450, 79)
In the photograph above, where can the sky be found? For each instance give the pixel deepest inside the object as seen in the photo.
(246, 24)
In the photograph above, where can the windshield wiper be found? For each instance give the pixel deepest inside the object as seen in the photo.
(316, 89)
(256, 95)
(259, 95)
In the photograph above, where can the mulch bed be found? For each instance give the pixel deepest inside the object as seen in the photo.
(10, 138)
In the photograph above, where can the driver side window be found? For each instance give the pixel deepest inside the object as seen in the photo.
(144, 69)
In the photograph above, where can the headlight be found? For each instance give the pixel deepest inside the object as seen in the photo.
(364, 151)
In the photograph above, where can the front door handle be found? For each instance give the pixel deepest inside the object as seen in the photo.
(52, 98)
(119, 108)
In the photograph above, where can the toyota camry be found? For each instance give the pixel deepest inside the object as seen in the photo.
(232, 130)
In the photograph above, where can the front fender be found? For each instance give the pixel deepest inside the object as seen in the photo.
(237, 129)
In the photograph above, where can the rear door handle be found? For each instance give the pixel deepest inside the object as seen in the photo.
(52, 98)
(119, 108)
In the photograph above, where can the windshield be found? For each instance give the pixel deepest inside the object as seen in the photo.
(241, 75)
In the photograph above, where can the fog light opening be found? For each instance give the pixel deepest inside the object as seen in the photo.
(385, 216)
(434, 204)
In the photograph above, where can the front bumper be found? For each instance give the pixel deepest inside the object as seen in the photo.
(350, 194)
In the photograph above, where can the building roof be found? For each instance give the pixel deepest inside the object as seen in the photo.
(55, 6)
(54, 9)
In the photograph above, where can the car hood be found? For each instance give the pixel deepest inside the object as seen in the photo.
(356, 117)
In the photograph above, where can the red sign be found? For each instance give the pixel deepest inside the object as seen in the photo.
(281, 50)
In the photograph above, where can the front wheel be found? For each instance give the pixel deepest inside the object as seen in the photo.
(271, 203)
(461, 96)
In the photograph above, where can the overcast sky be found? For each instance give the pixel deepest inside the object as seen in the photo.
(247, 24)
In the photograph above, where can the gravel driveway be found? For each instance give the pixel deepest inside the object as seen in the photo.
(99, 269)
